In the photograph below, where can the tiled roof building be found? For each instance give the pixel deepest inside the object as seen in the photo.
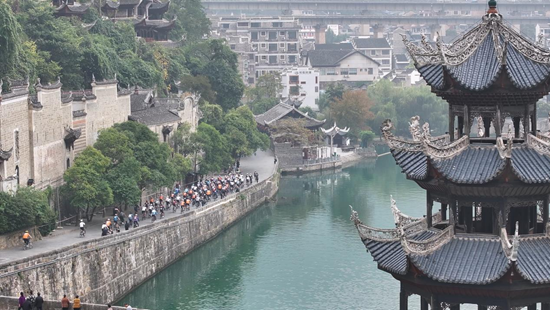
(489, 243)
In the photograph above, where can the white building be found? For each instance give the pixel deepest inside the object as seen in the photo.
(377, 49)
(343, 65)
(301, 84)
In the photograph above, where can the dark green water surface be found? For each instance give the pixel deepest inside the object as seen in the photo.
(301, 252)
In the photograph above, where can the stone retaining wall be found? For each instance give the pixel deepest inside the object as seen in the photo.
(9, 303)
(14, 239)
(104, 269)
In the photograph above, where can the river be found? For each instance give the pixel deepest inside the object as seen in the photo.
(301, 252)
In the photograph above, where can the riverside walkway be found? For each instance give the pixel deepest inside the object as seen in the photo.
(262, 162)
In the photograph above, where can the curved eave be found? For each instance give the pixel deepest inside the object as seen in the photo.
(524, 73)
(413, 164)
(530, 166)
(533, 264)
(389, 255)
(433, 75)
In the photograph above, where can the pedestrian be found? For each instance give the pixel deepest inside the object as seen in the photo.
(31, 298)
(65, 303)
(128, 307)
(27, 305)
(38, 302)
(256, 176)
(127, 224)
(275, 161)
(21, 300)
(109, 307)
(76, 303)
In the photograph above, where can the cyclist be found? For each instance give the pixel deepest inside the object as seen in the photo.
(82, 229)
(27, 237)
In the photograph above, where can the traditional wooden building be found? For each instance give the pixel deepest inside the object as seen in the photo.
(286, 110)
(489, 243)
(69, 8)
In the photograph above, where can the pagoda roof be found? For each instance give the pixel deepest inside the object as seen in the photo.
(445, 257)
(281, 110)
(161, 6)
(477, 59)
(335, 130)
(66, 9)
(156, 24)
(461, 162)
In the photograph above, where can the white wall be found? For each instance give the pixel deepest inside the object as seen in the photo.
(356, 61)
(308, 82)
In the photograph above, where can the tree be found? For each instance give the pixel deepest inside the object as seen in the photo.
(293, 130)
(213, 145)
(114, 144)
(265, 94)
(241, 133)
(212, 114)
(334, 91)
(331, 37)
(352, 110)
(123, 181)
(198, 84)
(10, 44)
(191, 20)
(366, 137)
(87, 185)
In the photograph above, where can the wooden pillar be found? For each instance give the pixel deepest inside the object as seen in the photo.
(480, 307)
(544, 214)
(545, 306)
(451, 124)
(467, 125)
(498, 122)
(452, 211)
(524, 220)
(429, 206)
(526, 121)
(516, 120)
(435, 304)
(443, 211)
(460, 126)
(423, 304)
(455, 307)
(487, 125)
(534, 218)
(403, 299)
(534, 120)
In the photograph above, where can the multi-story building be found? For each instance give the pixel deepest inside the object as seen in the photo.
(264, 45)
(377, 49)
(302, 84)
(341, 63)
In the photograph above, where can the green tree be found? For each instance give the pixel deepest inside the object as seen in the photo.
(212, 114)
(123, 181)
(265, 94)
(331, 37)
(87, 185)
(367, 137)
(10, 43)
(241, 133)
(191, 21)
(213, 145)
(114, 144)
(199, 84)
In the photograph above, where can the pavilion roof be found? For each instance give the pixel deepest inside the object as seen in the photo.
(477, 59)
(464, 163)
(281, 110)
(335, 130)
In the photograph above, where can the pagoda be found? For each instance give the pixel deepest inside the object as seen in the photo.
(489, 242)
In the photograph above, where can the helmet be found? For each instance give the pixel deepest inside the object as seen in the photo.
(81, 220)
(26, 231)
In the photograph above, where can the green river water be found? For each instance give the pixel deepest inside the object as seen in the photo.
(300, 252)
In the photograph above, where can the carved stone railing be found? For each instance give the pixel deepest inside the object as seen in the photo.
(401, 219)
(447, 151)
(510, 248)
(538, 145)
(440, 140)
(436, 218)
(504, 150)
(401, 144)
(543, 137)
(414, 227)
(428, 246)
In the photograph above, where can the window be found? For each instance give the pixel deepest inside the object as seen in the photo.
(282, 57)
(316, 80)
(373, 53)
(294, 90)
(264, 57)
(225, 26)
(250, 56)
(272, 47)
(242, 24)
(303, 82)
(272, 35)
(323, 72)
(293, 79)
(292, 35)
(262, 33)
(292, 47)
(303, 94)
(273, 59)
(255, 25)
(352, 71)
(282, 45)
(385, 52)
(254, 35)
(277, 24)
(385, 61)
(232, 46)
(316, 89)
(263, 45)
(281, 33)
(331, 71)
(292, 59)
(370, 71)
(344, 71)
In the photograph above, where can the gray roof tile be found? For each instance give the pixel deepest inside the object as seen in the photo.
(530, 166)
(155, 116)
(334, 47)
(533, 263)
(371, 43)
(465, 261)
(414, 164)
(472, 166)
(390, 256)
(523, 72)
(433, 75)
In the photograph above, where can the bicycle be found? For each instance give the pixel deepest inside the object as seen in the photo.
(27, 246)
(82, 233)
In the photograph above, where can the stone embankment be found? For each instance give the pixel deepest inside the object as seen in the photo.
(13, 302)
(104, 269)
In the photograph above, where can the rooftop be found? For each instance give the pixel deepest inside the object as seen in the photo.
(371, 43)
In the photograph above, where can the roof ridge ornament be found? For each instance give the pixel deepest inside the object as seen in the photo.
(414, 128)
(492, 7)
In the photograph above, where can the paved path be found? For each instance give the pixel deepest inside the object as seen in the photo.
(262, 162)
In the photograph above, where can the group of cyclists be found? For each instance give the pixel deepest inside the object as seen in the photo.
(195, 195)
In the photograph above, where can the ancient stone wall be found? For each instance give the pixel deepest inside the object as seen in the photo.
(104, 269)
(14, 133)
(105, 111)
(48, 130)
(287, 155)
